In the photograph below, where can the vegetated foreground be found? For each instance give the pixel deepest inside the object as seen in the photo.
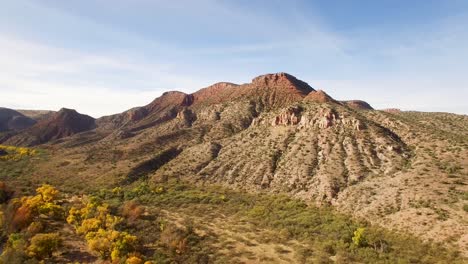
(351, 169)
(182, 223)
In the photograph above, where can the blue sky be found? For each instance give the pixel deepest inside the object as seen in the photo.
(102, 57)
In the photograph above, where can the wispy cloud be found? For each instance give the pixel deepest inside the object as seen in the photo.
(34, 75)
(104, 57)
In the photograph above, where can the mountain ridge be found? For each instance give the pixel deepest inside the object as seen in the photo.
(63, 123)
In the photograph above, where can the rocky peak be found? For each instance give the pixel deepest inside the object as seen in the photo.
(69, 116)
(282, 80)
(170, 99)
(63, 112)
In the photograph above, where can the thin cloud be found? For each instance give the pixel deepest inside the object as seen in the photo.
(137, 50)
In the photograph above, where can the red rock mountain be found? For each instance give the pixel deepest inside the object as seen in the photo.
(267, 91)
(63, 123)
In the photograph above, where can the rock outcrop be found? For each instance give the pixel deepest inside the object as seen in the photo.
(323, 118)
(289, 117)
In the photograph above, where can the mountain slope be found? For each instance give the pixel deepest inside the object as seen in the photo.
(63, 123)
(11, 120)
(37, 115)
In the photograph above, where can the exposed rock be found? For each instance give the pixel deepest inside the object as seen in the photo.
(327, 120)
(353, 122)
(289, 117)
(323, 118)
(282, 80)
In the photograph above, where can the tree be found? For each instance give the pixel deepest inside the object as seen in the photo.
(43, 245)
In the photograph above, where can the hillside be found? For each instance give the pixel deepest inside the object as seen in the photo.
(405, 171)
(37, 115)
(63, 123)
(11, 120)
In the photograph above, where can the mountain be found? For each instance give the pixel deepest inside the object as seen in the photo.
(403, 170)
(37, 115)
(11, 120)
(358, 104)
(267, 91)
(64, 123)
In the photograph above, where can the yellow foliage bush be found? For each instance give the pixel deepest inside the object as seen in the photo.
(134, 260)
(97, 224)
(29, 207)
(89, 225)
(111, 243)
(47, 192)
(16, 153)
(43, 245)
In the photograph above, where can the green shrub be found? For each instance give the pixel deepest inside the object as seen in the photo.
(43, 245)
